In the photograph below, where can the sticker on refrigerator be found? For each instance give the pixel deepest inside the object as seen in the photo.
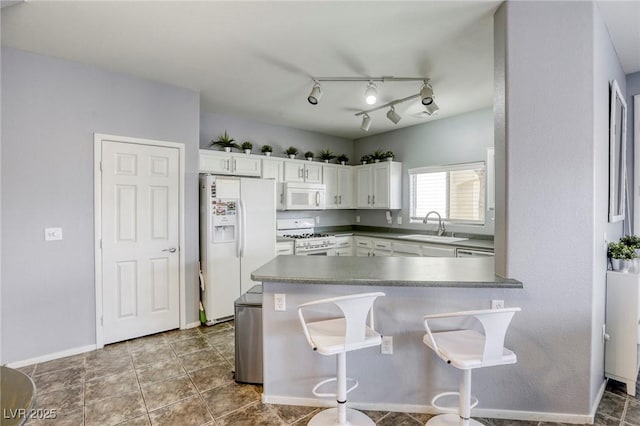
(224, 214)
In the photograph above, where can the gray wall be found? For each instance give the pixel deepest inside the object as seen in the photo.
(460, 139)
(633, 88)
(558, 61)
(50, 110)
(280, 138)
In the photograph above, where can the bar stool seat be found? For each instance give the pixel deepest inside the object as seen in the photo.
(466, 350)
(337, 336)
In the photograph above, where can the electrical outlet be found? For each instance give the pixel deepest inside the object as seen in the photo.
(357, 219)
(387, 345)
(497, 304)
(52, 234)
(399, 220)
(279, 302)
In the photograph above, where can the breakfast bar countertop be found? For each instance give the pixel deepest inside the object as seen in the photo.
(472, 272)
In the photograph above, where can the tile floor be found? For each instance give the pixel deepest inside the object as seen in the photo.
(185, 378)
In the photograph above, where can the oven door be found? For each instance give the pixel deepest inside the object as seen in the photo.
(317, 252)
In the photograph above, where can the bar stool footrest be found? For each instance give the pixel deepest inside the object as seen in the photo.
(332, 379)
(474, 402)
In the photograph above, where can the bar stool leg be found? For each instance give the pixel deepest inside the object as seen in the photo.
(465, 398)
(341, 393)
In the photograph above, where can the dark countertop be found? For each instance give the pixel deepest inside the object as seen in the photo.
(474, 272)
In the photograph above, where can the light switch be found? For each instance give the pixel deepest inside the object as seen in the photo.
(52, 234)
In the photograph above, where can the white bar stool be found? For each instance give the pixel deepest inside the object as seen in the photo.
(467, 350)
(337, 337)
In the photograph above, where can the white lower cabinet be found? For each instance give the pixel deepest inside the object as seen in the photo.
(406, 249)
(622, 326)
(344, 246)
(437, 251)
(284, 248)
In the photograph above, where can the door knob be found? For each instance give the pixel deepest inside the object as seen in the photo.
(170, 250)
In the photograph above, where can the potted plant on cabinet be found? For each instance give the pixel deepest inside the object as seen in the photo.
(246, 147)
(291, 151)
(378, 155)
(342, 158)
(266, 150)
(620, 255)
(309, 155)
(365, 159)
(633, 242)
(389, 155)
(326, 155)
(225, 141)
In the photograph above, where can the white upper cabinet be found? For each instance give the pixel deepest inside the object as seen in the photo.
(339, 182)
(302, 171)
(273, 168)
(229, 163)
(379, 185)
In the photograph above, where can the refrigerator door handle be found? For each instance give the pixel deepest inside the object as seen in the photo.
(239, 230)
(243, 226)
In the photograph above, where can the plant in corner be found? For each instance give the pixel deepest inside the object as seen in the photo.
(246, 147)
(326, 155)
(225, 141)
(266, 150)
(342, 158)
(309, 155)
(620, 255)
(291, 151)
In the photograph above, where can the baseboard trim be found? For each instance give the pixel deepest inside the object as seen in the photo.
(599, 396)
(52, 356)
(412, 408)
(192, 325)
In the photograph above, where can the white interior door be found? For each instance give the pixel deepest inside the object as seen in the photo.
(140, 240)
(635, 196)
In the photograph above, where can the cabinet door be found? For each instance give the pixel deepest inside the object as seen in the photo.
(284, 248)
(218, 163)
(363, 187)
(345, 187)
(313, 173)
(330, 179)
(363, 252)
(273, 169)
(380, 198)
(436, 251)
(344, 252)
(293, 171)
(246, 165)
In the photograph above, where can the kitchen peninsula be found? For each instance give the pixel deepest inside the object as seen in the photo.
(407, 379)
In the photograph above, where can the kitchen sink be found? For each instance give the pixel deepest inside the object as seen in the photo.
(433, 238)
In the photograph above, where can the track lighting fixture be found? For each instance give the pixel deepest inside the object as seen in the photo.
(315, 94)
(432, 108)
(371, 94)
(393, 115)
(366, 123)
(426, 94)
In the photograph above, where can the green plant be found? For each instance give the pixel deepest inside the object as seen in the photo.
(309, 154)
(389, 154)
(620, 250)
(327, 155)
(246, 145)
(631, 241)
(266, 148)
(365, 158)
(342, 157)
(291, 150)
(225, 141)
(378, 154)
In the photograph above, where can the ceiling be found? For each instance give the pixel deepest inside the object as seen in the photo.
(257, 59)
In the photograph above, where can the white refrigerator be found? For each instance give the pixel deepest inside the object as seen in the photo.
(237, 235)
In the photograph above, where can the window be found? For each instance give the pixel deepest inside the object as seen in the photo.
(456, 192)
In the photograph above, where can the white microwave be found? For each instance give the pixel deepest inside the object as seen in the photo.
(304, 196)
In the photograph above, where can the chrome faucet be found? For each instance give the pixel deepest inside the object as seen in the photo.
(441, 229)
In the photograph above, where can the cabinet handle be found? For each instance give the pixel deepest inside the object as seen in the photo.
(234, 164)
(368, 199)
(282, 198)
(373, 200)
(340, 199)
(306, 174)
(226, 165)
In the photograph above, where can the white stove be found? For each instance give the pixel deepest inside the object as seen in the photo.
(306, 242)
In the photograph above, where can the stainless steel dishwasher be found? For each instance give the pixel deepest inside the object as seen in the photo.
(248, 335)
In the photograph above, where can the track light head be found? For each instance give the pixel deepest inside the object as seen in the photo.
(393, 115)
(371, 94)
(426, 94)
(366, 123)
(315, 95)
(432, 108)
